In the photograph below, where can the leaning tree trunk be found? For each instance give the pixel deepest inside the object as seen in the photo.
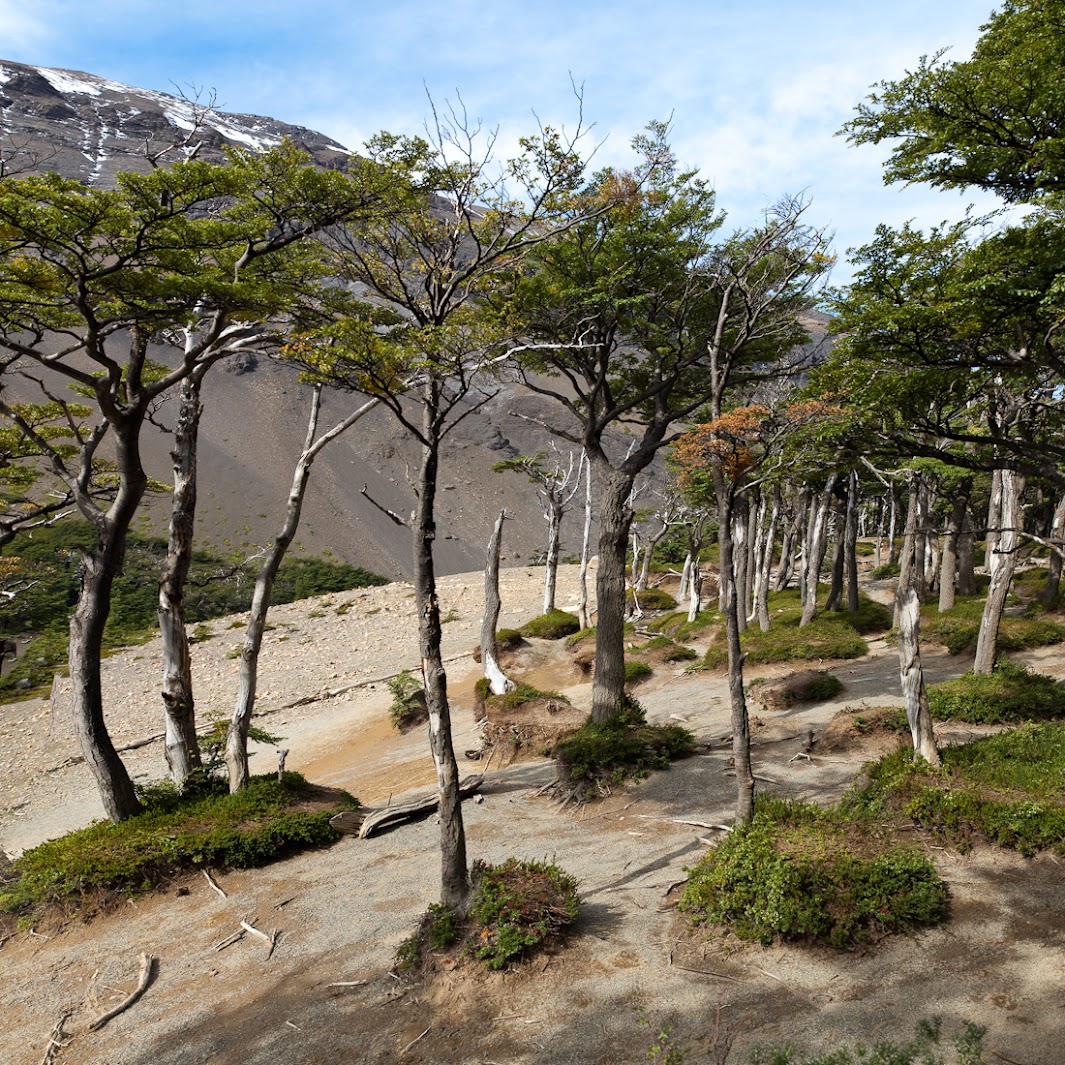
(615, 516)
(850, 544)
(454, 874)
(498, 681)
(740, 533)
(182, 746)
(792, 535)
(583, 616)
(554, 535)
(741, 736)
(834, 601)
(1002, 569)
(908, 621)
(85, 654)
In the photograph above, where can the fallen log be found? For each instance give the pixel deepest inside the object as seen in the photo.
(147, 964)
(377, 819)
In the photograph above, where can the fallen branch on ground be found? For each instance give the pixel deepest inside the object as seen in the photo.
(214, 885)
(56, 1042)
(147, 964)
(377, 819)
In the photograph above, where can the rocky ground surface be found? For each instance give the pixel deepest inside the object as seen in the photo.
(633, 968)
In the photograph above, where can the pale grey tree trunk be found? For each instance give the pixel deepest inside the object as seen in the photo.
(792, 535)
(498, 681)
(1052, 587)
(994, 523)
(948, 570)
(815, 545)
(908, 622)
(765, 565)
(695, 590)
(554, 535)
(850, 544)
(740, 533)
(685, 578)
(583, 615)
(181, 744)
(892, 521)
(1002, 569)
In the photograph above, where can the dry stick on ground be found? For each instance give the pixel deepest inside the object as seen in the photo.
(214, 885)
(413, 1041)
(147, 964)
(56, 1042)
(236, 937)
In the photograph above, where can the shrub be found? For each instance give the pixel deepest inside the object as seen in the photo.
(636, 671)
(625, 746)
(677, 625)
(509, 639)
(514, 907)
(408, 706)
(655, 599)
(518, 905)
(176, 834)
(519, 695)
(1010, 694)
(1007, 789)
(882, 573)
(551, 626)
(800, 872)
(958, 629)
(665, 649)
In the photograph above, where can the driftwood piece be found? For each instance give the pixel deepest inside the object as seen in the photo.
(56, 1042)
(147, 965)
(348, 822)
(210, 881)
(376, 819)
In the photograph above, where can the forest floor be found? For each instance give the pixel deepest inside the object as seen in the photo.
(632, 968)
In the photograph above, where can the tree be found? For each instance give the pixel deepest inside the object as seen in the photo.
(994, 121)
(645, 318)
(457, 227)
(90, 281)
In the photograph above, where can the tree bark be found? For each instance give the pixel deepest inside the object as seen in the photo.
(554, 535)
(908, 621)
(583, 615)
(1052, 586)
(1002, 569)
(850, 544)
(182, 745)
(740, 534)
(835, 588)
(792, 535)
(741, 737)
(816, 543)
(765, 566)
(615, 517)
(498, 681)
(948, 569)
(454, 874)
(966, 561)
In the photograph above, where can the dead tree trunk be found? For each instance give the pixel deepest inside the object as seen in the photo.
(765, 566)
(498, 681)
(182, 746)
(554, 536)
(948, 569)
(850, 544)
(1052, 586)
(740, 533)
(792, 536)
(1007, 527)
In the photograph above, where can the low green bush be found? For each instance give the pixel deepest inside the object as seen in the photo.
(802, 872)
(519, 695)
(551, 626)
(509, 639)
(623, 747)
(959, 628)
(515, 907)
(635, 671)
(175, 834)
(1008, 789)
(1008, 695)
(655, 599)
(827, 636)
(882, 573)
(408, 707)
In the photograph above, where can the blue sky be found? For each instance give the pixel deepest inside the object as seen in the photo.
(756, 89)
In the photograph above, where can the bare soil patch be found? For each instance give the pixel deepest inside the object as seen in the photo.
(325, 993)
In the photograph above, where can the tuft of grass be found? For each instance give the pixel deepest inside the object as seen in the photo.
(509, 639)
(801, 872)
(923, 1049)
(551, 626)
(515, 907)
(1008, 695)
(666, 649)
(521, 694)
(1008, 789)
(624, 747)
(677, 625)
(579, 637)
(882, 573)
(175, 834)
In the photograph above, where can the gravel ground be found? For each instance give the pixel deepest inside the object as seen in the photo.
(634, 969)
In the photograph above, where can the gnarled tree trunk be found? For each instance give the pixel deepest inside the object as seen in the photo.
(583, 615)
(1006, 527)
(498, 681)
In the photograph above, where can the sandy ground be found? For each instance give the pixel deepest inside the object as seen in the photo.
(633, 967)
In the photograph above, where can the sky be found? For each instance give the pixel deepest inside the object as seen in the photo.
(755, 91)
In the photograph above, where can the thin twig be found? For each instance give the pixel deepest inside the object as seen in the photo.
(254, 931)
(214, 885)
(413, 1041)
(348, 983)
(55, 1040)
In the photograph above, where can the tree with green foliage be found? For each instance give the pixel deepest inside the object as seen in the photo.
(457, 226)
(123, 294)
(649, 316)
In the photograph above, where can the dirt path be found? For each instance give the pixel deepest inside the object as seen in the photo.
(1000, 962)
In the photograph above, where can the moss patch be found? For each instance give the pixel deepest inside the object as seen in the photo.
(551, 626)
